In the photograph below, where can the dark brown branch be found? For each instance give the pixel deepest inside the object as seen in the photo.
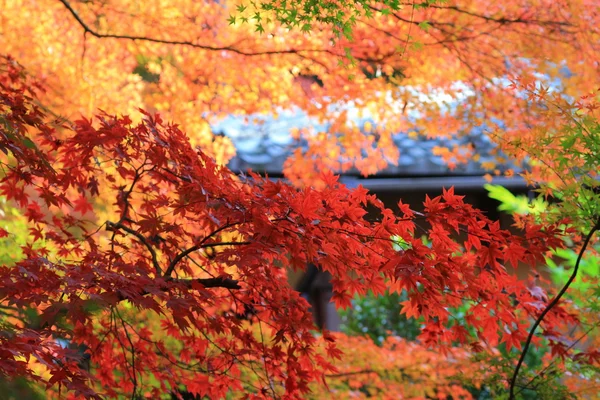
(502, 20)
(190, 250)
(220, 282)
(142, 239)
(211, 282)
(528, 385)
(133, 377)
(225, 283)
(219, 244)
(199, 246)
(87, 29)
(549, 307)
(344, 374)
(302, 53)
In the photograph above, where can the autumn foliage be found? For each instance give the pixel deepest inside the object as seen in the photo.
(430, 68)
(168, 271)
(148, 269)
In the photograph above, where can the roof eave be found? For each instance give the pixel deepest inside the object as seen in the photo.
(424, 184)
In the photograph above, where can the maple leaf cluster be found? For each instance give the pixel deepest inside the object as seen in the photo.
(170, 271)
(431, 68)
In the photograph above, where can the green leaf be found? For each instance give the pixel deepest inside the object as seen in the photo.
(416, 46)
(568, 142)
(398, 243)
(424, 25)
(28, 143)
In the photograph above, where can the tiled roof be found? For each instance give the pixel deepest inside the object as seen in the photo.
(263, 143)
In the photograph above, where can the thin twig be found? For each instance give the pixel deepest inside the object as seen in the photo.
(344, 374)
(142, 239)
(88, 29)
(547, 367)
(553, 303)
(134, 374)
(198, 246)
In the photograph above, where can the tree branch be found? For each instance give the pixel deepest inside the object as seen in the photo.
(547, 367)
(219, 282)
(190, 250)
(87, 29)
(501, 20)
(142, 239)
(225, 283)
(345, 374)
(229, 48)
(553, 303)
(201, 245)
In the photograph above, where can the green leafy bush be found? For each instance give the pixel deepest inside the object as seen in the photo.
(379, 317)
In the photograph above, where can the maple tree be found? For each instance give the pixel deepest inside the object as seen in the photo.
(176, 244)
(153, 254)
(566, 168)
(564, 266)
(433, 68)
(168, 271)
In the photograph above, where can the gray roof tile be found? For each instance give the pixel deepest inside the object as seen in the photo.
(264, 142)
